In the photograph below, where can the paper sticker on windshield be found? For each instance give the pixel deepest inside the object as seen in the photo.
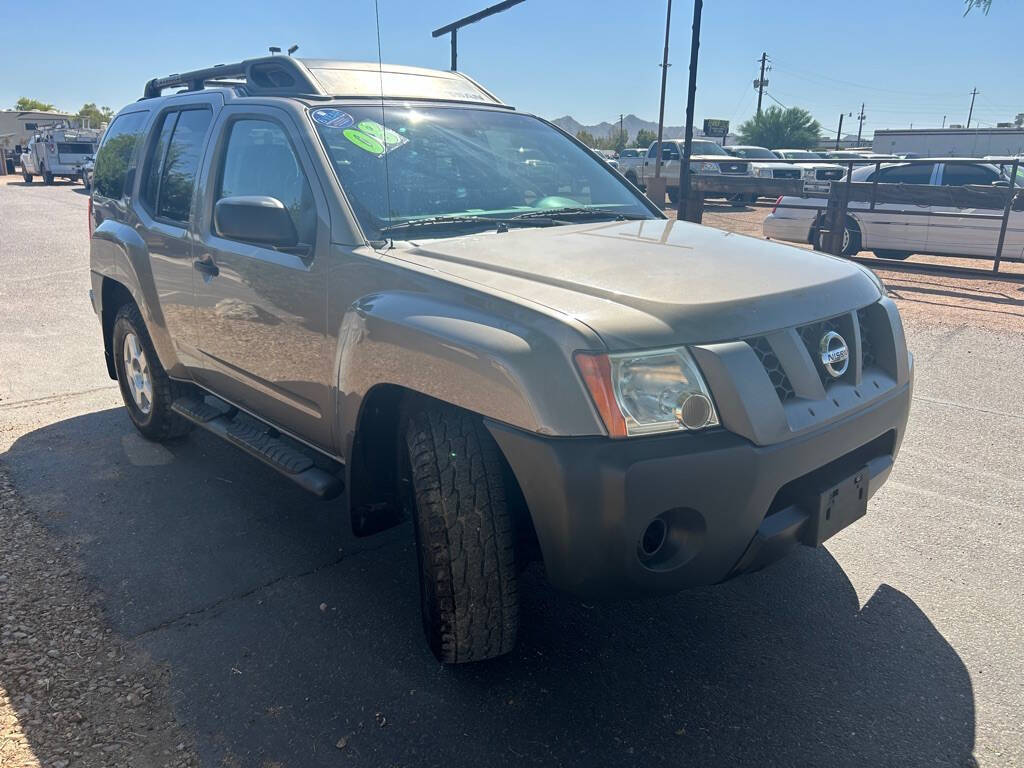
(335, 118)
(374, 137)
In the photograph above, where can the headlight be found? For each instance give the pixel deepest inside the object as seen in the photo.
(645, 393)
(764, 172)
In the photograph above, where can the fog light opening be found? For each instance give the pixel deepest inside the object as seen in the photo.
(694, 412)
(654, 537)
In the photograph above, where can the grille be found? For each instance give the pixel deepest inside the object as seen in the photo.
(829, 174)
(786, 173)
(772, 366)
(732, 167)
(867, 348)
(811, 337)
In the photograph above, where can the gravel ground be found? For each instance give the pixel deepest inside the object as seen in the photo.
(74, 693)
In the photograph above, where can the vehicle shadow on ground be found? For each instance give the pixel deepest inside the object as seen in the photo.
(291, 643)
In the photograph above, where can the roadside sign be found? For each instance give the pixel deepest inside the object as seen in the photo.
(716, 128)
(812, 187)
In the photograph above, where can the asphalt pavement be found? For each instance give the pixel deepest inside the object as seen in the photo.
(290, 643)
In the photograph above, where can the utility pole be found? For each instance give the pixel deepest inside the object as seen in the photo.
(971, 113)
(839, 132)
(691, 94)
(860, 120)
(661, 111)
(943, 121)
(622, 132)
(761, 82)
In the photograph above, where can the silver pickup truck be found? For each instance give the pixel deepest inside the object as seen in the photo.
(401, 293)
(707, 158)
(58, 151)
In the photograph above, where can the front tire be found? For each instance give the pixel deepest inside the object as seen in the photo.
(146, 389)
(47, 177)
(464, 536)
(27, 177)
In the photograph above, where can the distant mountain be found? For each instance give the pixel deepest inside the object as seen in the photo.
(630, 123)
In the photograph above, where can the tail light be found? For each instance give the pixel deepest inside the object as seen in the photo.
(777, 201)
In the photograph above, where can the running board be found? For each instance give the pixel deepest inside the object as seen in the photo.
(260, 442)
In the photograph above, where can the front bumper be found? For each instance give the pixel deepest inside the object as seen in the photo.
(731, 506)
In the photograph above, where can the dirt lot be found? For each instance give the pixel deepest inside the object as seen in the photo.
(182, 605)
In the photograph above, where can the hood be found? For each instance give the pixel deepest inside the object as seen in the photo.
(653, 283)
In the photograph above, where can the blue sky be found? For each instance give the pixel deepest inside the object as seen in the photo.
(592, 60)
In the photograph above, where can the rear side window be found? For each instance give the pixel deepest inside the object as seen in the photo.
(957, 175)
(259, 160)
(905, 174)
(170, 174)
(116, 153)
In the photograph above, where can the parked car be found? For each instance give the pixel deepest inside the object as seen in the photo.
(454, 312)
(763, 170)
(58, 151)
(706, 158)
(897, 237)
(87, 171)
(813, 164)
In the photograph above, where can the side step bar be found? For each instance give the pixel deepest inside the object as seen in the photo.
(261, 442)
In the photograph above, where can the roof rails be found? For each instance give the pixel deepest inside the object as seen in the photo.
(266, 75)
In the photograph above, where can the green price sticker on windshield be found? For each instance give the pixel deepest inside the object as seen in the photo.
(379, 132)
(364, 141)
(374, 138)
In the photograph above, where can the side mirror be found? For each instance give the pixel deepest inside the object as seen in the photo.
(255, 219)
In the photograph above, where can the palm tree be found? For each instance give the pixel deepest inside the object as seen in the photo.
(775, 128)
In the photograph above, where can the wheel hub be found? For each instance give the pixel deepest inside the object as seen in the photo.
(137, 373)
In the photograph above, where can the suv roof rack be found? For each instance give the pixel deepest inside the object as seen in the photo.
(325, 79)
(265, 75)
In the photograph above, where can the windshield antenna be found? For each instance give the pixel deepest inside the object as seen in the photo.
(383, 122)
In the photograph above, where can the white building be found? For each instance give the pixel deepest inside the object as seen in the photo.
(16, 128)
(951, 142)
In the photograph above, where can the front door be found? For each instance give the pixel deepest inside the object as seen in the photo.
(260, 311)
(883, 228)
(965, 235)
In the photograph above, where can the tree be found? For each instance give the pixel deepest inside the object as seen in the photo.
(983, 5)
(586, 137)
(94, 114)
(25, 104)
(645, 138)
(775, 128)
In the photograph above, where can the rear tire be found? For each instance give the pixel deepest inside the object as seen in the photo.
(47, 177)
(151, 411)
(851, 239)
(27, 177)
(894, 255)
(673, 195)
(465, 540)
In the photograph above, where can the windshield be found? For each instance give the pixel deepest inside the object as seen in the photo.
(705, 148)
(753, 152)
(800, 154)
(468, 163)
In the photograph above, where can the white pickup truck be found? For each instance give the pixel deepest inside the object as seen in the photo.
(58, 151)
(706, 158)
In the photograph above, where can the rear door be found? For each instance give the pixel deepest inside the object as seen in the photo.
(968, 236)
(882, 228)
(173, 154)
(260, 312)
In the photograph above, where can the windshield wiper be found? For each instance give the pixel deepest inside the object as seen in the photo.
(577, 213)
(443, 222)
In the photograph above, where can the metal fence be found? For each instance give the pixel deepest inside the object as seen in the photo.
(832, 214)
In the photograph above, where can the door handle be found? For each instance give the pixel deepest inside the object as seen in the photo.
(208, 268)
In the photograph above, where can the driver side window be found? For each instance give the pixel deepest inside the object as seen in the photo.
(259, 160)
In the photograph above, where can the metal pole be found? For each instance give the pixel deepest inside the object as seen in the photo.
(971, 113)
(860, 122)
(664, 77)
(760, 82)
(840, 131)
(1006, 215)
(684, 169)
(455, 50)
